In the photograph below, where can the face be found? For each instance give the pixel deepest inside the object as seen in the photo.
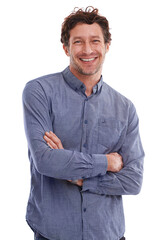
(86, 49)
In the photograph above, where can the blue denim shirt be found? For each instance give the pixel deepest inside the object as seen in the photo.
(89, 128)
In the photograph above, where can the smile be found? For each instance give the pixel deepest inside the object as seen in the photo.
(87, 59)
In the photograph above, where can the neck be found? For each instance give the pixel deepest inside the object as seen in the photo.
(88, 80)
(90, 83)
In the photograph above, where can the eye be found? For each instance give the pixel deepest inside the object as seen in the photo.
(77, 42)
(96, 40)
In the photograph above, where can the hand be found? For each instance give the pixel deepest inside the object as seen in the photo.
(52, 140)
(77, 182)
(115, 162)
(55, 143)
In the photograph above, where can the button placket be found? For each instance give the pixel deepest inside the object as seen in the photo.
(85, 123)
(84, 215)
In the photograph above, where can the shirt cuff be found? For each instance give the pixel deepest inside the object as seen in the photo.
(100, 165)
(90, 184)
(99, 169)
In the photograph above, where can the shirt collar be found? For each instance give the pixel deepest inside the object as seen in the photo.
(76, 84)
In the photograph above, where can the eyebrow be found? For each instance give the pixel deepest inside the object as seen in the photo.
(80, 37)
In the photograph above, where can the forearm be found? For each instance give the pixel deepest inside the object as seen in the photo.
(126, 182)
(66, 164)
(114, 160)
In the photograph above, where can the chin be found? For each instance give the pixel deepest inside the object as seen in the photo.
(89, 72)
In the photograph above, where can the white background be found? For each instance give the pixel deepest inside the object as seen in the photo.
(30, 47)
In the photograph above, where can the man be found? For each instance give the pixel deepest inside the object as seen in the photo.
(83, 138)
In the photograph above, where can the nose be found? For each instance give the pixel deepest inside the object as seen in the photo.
(87, 48)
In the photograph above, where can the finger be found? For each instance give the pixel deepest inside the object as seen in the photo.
(50, 145)
(54, 139)
(79, 182)
(50, 142)
(57, 140)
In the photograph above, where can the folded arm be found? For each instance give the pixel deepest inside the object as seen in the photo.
(115, 162)
(56, 163)
(120, 179)
(128, 180)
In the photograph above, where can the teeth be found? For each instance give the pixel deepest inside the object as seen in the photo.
(87, 60)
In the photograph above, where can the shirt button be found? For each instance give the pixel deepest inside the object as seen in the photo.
(86, 121)
(84, 209)
(86, 99)
(84, 145)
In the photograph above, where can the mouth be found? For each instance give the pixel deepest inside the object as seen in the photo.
(87, 59)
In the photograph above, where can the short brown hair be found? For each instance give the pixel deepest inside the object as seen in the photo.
(88, 16)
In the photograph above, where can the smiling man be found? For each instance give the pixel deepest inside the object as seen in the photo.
(83, 140)
(86, 49)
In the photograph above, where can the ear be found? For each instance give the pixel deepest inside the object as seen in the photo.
(107, 47)
(66, 49)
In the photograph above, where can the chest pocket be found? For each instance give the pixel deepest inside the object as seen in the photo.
(109, 134)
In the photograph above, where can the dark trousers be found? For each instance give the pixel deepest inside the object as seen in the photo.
(37, 236)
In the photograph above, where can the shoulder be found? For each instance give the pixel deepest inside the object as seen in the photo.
(46, 80)
(44, 84)
(115, 95)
